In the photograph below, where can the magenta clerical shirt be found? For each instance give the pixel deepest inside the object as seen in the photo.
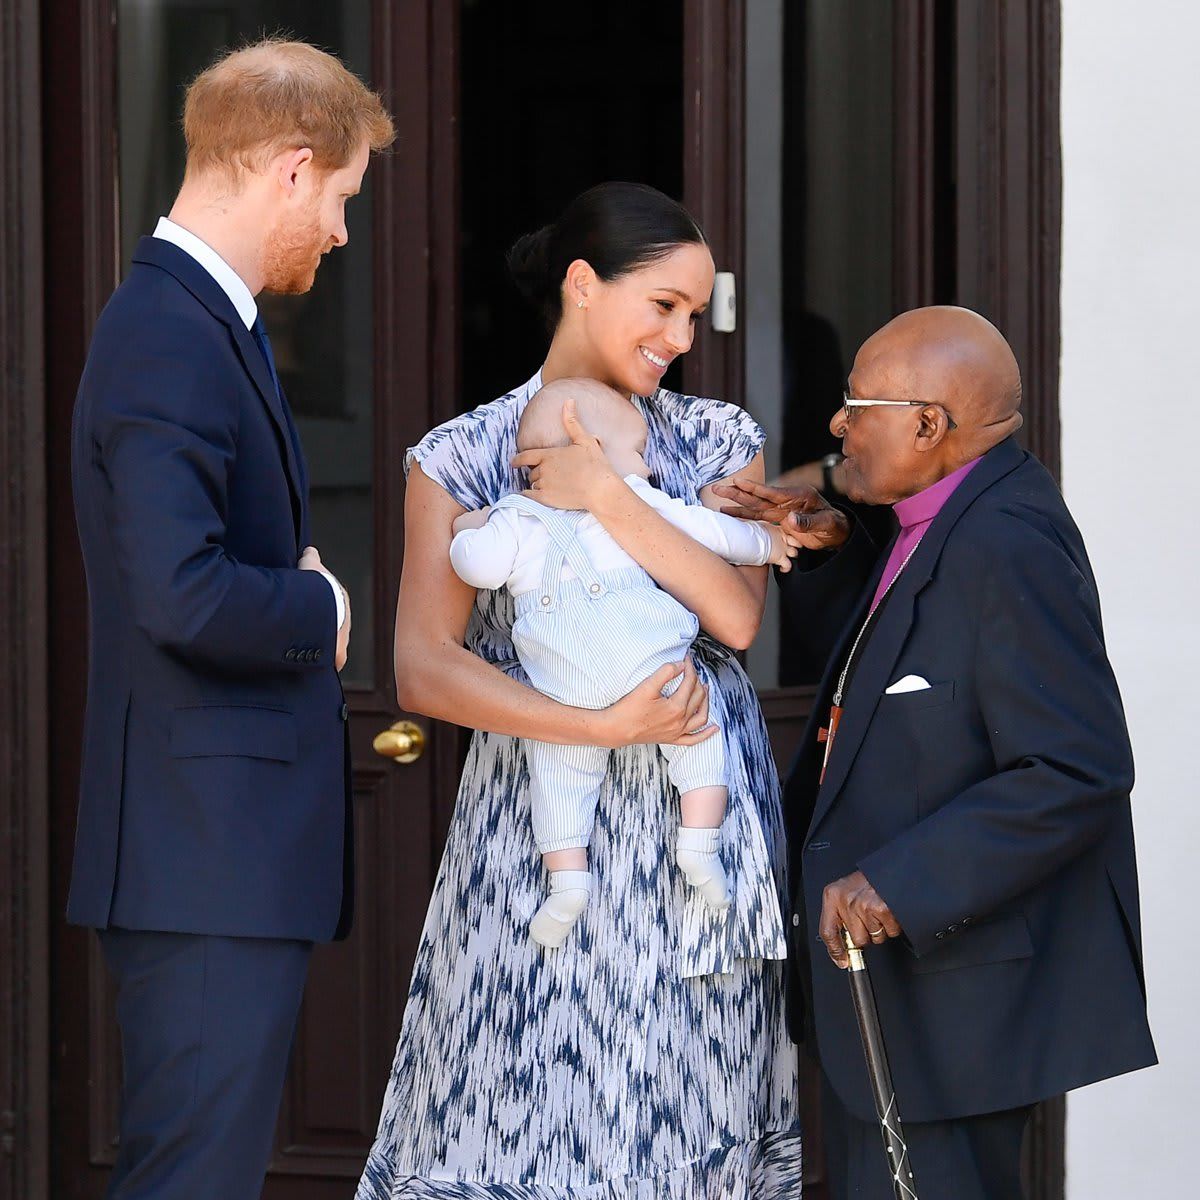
(915, 515)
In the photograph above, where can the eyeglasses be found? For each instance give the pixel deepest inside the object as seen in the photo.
(849, 404)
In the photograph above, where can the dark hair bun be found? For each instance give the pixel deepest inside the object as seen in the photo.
(616, 227)
(529, 265)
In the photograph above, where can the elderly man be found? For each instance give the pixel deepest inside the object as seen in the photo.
(960, 803)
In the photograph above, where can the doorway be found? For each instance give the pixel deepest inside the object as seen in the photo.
(416, 321)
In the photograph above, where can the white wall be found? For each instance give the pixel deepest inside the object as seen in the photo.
(1131, 436)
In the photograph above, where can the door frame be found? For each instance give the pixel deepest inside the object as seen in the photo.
(24, 727)
(1005, 262)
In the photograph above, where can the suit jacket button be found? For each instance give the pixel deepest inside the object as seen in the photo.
(291, 655)
(941, 933)
(344, 712)
(952, 929)
(310, 655)
(317, 654)
(795, 919)
(968, 921)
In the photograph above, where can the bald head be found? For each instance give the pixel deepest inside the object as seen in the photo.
(952, 357)
(963, 389)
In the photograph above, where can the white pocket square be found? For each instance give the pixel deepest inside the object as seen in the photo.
(910, 683)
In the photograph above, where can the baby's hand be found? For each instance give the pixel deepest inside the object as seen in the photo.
(472, 520)
(783, 550)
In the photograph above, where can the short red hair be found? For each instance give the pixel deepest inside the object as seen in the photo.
(274, 95)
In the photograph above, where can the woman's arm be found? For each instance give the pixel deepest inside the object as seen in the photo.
(437, 676)
(728, 600)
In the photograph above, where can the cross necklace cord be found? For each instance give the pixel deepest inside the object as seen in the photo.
(829, 732)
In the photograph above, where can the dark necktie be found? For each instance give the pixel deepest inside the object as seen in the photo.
(259, 330)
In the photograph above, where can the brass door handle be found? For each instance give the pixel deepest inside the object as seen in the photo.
(404, 742)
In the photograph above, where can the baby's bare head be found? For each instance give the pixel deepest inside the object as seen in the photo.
(607, 415)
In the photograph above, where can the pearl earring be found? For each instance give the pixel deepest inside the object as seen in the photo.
(580, 304)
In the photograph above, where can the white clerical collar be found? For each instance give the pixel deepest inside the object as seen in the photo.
(232, 284)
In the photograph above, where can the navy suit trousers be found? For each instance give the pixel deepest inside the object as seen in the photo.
(971, 1158)
(207, 1025)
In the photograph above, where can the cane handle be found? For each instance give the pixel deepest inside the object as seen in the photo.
(857, 962)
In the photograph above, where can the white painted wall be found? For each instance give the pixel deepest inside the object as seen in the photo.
(1131, 436)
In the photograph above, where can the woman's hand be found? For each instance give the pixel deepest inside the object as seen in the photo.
(802, 513)
(645, 715)
(569, 477)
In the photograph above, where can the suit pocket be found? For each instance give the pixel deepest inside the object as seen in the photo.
(931, 697)
(232, 730)
(1002, 939)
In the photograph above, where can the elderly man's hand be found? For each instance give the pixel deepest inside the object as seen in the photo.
(802, 513)
(851, 903)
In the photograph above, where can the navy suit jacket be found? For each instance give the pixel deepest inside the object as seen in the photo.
(214, 795)
(991, 811)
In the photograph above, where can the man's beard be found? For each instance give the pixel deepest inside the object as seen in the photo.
(291, 256)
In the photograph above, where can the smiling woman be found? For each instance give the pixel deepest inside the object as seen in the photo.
(648, 1054)
(620, 279)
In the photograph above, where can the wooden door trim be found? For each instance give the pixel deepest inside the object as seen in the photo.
(1007, 79)
(915, 151)
(422, 353)
(714, 172)
(24, 731)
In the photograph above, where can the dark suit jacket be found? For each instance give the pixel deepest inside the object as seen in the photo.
(990, 811)
(214, 793)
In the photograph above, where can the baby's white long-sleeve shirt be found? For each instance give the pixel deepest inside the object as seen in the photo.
(510, 550)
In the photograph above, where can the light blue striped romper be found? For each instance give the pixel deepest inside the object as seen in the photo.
(587, 642)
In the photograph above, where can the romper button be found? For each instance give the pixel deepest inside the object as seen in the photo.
(595, 588)
(545, 599)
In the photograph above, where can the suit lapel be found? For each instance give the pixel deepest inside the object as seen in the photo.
(887, 639)
(259, 372)
(165, 255)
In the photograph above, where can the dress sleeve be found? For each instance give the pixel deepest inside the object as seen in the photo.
(468, 456)
(726, 439)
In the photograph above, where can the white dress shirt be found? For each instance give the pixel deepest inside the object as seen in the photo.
(511, 548)
(234, 286)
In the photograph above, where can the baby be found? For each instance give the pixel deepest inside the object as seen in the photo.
(590, 626)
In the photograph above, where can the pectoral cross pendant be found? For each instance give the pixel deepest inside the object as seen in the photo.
(826, 734)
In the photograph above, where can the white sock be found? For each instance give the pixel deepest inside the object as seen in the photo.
(569, 895)
(698, 858)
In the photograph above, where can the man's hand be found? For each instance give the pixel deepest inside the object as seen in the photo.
(851, 903)
(310, 560)
(802, 512)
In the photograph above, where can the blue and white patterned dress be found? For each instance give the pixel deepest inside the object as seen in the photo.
(648, 1059)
